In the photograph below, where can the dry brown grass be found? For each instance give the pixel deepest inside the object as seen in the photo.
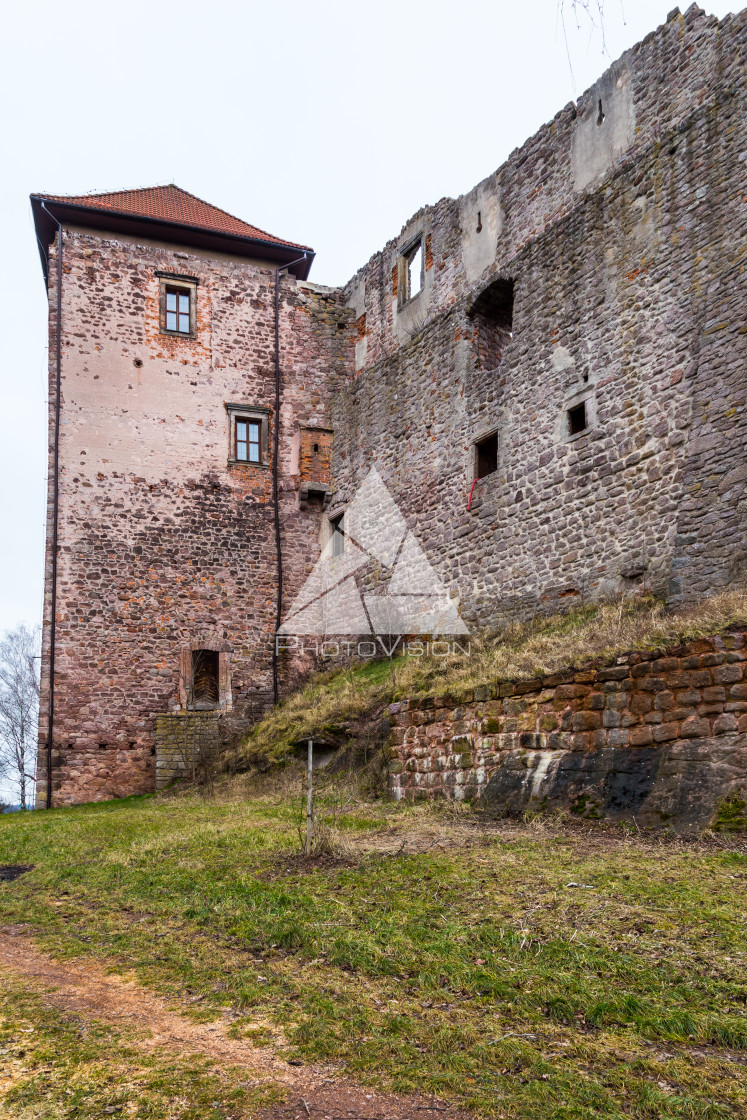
(330, 703)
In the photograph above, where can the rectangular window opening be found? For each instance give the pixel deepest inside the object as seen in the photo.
(248, 434)
(577, 421)
(248, 440)
(486, 455)
(205, 680)
(338, 535)
(178, 311)
(493, 317)
(415, 271)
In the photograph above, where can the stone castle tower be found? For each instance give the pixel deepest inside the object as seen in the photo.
(549, 373)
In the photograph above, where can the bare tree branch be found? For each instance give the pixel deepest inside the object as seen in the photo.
(19, 710)
(584, 13)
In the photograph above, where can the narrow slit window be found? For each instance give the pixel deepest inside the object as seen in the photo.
(248, 441)
(178, 311)
(338, 535)
(577, 420)
(486, 455)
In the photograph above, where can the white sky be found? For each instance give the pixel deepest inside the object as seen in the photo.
(327, 123)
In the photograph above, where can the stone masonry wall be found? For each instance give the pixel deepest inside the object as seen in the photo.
(183, 741)
(620, 229)
(623, 226)
(661, 736)
(165, 546)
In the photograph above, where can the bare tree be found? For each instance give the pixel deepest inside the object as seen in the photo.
(19, 709)
(588, 14)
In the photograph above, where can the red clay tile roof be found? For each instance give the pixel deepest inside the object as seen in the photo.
(173, 205)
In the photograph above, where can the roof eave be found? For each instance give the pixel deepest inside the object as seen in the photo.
(67, 213)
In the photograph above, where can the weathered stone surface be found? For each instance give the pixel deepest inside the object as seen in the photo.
(673, 771)
(625, 243)
(165, 544)
(619, 232)
(668, 785)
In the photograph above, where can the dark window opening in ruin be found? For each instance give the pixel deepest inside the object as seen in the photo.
(338, 535)
(248, 440)
(178, 311)
(492, 316)
(316, 448)
(577, 421)
(601, 113)
(205, 687)
(486, 455)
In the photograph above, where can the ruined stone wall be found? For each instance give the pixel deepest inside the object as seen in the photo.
(659, 736)
(165, 546)
(623, 225)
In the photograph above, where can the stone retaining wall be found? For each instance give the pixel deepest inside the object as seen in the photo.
(661, 736)
(181, 739)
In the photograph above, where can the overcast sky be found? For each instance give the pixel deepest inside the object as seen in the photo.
(327, 123)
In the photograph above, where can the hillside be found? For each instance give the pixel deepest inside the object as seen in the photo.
(539, 969)
(343, 703)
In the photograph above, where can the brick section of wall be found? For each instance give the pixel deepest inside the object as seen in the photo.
(315, 456)
(183, 740)
(451, 746)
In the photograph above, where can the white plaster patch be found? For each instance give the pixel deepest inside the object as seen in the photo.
(604, 128)
(562, 359)
(481, 221)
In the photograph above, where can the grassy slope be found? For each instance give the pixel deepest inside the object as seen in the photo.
(334, 699)
(472, 970)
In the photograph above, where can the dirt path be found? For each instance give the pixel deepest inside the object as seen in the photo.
(86, 990)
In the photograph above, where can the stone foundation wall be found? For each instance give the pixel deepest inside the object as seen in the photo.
(659, 736)
(183, 740)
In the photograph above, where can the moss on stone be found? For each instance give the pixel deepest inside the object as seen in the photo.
(731, 815)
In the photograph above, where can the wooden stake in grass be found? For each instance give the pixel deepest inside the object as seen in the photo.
(309, 799)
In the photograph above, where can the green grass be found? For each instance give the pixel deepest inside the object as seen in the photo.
(473, 970)
(62, 1066)
(330, 702)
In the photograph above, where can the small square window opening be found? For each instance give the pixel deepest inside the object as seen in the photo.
(338, 535)
(577, 420)
(178, 311)
(486, 455)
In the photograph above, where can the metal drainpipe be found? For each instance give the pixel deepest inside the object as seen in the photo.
(55, 510)
(275, 495)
